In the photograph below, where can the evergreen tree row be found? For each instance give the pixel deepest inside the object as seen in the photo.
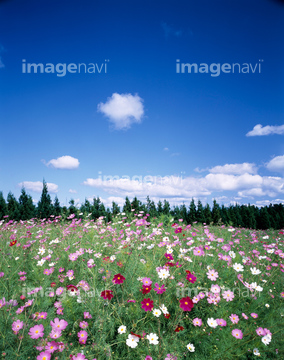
(247, 216)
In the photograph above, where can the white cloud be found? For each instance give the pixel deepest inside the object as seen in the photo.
(64, 162)
(182, 188)
(259, 130)
(36, 186)
(72, 191)
(123, 110)
(236, 169)
(166, 149)
(268, 202)
(276, 164)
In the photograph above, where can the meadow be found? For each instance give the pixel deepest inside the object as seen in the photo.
(135, 289)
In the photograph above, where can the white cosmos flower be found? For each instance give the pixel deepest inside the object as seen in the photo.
(122, 329)
(112, 258)
(150, 246)
(256, 352)
(190, 347)
(163, 274)
(270, 251)
(259, 288)
(266, 339)
(238, 267)
(41, 251)
(267, 305)
(212, 323)
(164, 309)
(232, 254)
(157, 312)
(255, 271)
(153, 339)
(132, 341)
(40, 262)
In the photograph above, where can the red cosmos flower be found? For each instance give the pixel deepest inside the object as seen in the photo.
(146, 289)
(147, 304)
(167, 316)
(53, 284)
(118, 279)
(12, 243)
(72, 288)
(132, 333)
(191, 278)
(179, 328)
(107, 294)
(170, 264)
(119, 263)
(106, 259)
(186, 304)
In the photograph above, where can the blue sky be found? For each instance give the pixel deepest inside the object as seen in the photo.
(138, 127)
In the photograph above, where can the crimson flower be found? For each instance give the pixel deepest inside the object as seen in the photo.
(107, 294)
(72, 288)
(132, 333)
(53, 284)
(147, 304)
(179, 328)
(118, 279)
(12, 243)
(146, 289)
(178, 230)
(186, 303)
(167, 316)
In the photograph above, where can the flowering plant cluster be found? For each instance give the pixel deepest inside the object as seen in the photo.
(131, 289)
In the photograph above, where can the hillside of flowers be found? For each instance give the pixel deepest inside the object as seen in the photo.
(131, 289)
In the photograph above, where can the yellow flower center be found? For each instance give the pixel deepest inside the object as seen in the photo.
(186, 303)
(147, 304)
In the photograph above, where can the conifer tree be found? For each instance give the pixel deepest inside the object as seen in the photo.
(127, 206)
(192, 212)
(44, 206)
(3, 206)
(13, 207)
(207, 214)
(56, 207)
(26, 206)
(216, 216)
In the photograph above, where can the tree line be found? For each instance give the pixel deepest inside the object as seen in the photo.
(247, 216)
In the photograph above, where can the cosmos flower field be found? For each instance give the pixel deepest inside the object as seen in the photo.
(135, 289)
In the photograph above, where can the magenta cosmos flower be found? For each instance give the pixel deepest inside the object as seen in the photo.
(237, 333)
(191, 278)
(147, 304)
(118, 279)
(186, 303)
(107, 294)
(169, 256)
(159, 289)
(36, 331)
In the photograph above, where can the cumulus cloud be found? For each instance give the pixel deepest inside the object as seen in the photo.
(259, 130)
(123, 110)
(37, 186)
(64, 162)
(236, 169)
(185, 188)
(72, 191)
(276, 164)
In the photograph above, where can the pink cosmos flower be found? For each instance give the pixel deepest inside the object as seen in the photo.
(260, 331)
(61, 269)
(244, 316)
(42, 315)
(83, 324)
(59, 291)
(221, 322)
(198, 251)
(82, 335)
(234, 318)
(186, 304)
(59, 324)
(36, 331)
(79, 356)
(254, 315)
(44, 356)
(212, 275)
(59, 311)
(17, 326)
(197, 322)
(146, 281)
(118, 279)
(148, 357)
(87, 315)
(147, 304)
(55, 334)
(159, 289)
(237, 333)
(228, 295)
(51, 347)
